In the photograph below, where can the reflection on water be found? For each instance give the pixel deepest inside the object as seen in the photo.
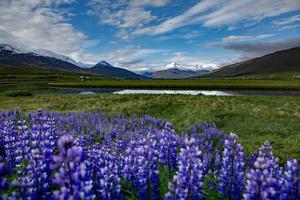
(181, 92)
(186, 92)
(87, 92)
(51, 90)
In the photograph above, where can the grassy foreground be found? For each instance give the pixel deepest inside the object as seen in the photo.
(267, 84)
(254, 119)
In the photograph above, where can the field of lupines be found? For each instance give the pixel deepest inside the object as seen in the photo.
(48, 155)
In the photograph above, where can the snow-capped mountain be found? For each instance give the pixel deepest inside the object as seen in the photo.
(175, 73)
(103, 63)
(13, 50)
(191, 67)
(175, 70)
(16, 57)
(47, 53)
(43, 52)
(172, 65)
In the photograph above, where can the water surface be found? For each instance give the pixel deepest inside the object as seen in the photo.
(50, 90)
(185, 92)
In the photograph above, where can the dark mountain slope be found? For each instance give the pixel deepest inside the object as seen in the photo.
(9, 57)
(105, 69)
(278, 62)
(175, 73)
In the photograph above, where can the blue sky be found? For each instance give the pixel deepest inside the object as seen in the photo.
(146, 35)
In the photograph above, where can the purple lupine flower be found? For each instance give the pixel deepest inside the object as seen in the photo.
(22, 143)
(105, 172)
(166, 142)
(123, 158)
(291, 181)
(141, 168)
(231, 179)
(153, 157)
(3, 182)
(188, 181)
(10, 144)
(140, 171)
(34, 178)
(72, 174)
(250, 159)
(213, 170)
(264, 180)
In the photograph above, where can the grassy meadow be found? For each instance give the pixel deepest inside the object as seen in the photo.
(255, 119)
(236, 83)
(35, 75)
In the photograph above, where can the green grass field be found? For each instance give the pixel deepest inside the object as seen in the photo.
(38, 75)
(267, 84)
(55, 78)
(254, 119)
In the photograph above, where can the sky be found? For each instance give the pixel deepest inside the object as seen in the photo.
(146, 35)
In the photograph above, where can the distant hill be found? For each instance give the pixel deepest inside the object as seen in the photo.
(279, 62)
(43, 59)
(105, 69)
(175, 73)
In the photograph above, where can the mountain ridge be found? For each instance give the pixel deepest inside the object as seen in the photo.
(287, 60)
(175, 70)
(106, 69)
(44, 59)
(175, 73)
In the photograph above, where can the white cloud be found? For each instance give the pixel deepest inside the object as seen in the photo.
(188, 35)
(126, 15)
(131, 57)
(154, 3)
(252, 10)
(214, 13)
(179, 21)
(238, 39)
(288, 27)
(242, 38)
(290, 20)
(191, 61)
(40, 24)
(250, 50)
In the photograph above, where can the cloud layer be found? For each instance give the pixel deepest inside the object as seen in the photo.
(148, 34)
(128, 15)
(214, 13)
(251, 50)
(34, 24)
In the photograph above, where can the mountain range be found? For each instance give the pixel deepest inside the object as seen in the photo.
(177, 71)
(285, 61)
(15, 57)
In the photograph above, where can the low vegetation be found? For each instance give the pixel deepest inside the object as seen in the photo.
(18, 93)
(52, 155)
(263, 84)
(255, 119)
(39, 75)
